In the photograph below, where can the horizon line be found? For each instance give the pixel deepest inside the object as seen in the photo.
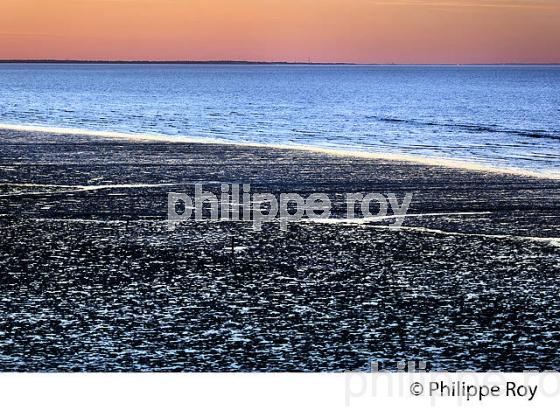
(249, 62)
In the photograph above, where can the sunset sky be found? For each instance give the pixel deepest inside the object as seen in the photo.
(360, 31)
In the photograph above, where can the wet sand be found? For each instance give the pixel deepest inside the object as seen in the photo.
(92, 280)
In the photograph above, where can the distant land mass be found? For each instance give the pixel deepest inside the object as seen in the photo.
(232, 62)
(168, 62)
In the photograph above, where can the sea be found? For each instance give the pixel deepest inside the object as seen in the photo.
(503, 116)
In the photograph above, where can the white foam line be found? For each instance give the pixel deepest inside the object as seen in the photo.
(354, 221)
(178, 139)
(551, 241)
(39, 193)
(37, 185)
(75, 220)
(73, 188)
(362, 221)
(114, 134)
(87, 186)
(116, 186)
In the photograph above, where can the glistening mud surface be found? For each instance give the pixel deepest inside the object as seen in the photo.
(91, 279)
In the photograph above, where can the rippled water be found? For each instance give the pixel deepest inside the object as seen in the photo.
(501, 115)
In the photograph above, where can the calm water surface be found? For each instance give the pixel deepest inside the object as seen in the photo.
(505, 116)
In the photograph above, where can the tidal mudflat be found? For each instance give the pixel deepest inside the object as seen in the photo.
(91, 279)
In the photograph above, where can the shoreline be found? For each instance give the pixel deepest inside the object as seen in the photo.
(180, 139)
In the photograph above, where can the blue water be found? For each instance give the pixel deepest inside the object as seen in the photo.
(506, 116)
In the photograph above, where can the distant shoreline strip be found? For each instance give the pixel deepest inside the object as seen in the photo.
(179, 139)
(246, 62)
(171, 62)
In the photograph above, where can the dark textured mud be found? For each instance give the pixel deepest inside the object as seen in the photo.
(93, 280)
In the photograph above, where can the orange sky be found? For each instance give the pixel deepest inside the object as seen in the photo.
(363, 31)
